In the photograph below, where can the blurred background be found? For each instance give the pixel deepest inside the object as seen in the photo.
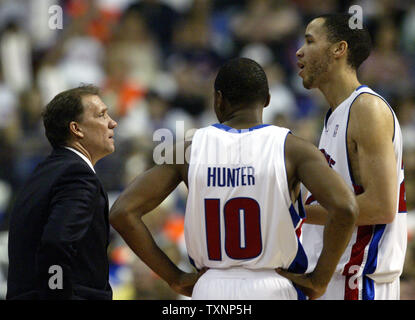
(155, 61)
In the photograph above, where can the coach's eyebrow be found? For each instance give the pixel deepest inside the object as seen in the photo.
(307, 35)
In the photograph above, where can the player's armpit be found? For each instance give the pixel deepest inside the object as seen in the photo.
(146, 191)
(371, 127)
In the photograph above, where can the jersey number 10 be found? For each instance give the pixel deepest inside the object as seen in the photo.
(241, 227)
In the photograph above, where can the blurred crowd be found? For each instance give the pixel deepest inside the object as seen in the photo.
(155, 61)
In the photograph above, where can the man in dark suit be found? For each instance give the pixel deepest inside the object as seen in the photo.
(58, 233)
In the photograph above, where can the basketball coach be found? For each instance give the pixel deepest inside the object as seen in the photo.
(59, 230)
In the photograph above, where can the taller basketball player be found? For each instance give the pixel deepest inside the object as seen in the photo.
(362, 141)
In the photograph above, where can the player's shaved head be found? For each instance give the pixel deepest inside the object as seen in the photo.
(242, 81)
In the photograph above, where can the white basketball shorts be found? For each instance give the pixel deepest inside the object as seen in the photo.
(244, 284)
(361, 288)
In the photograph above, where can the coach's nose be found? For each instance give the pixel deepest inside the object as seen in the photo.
(112, 123)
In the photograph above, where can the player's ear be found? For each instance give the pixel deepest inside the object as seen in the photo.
(218, 98)
(220, 101)
(339, 49)
(267, 100)
(218, 105)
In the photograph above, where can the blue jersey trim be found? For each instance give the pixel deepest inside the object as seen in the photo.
(390, 108)
(326, 118)
(368, 292)
(295, 217)
(301, 210)
(224, 127)
(192, 262)
(347, 148)
(359, 87)
(300, 294)
(372, 255)
(371, 262)
(328, 114)
(300, 262)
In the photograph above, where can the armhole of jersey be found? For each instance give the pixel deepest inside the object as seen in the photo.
(190, 167)
(349, 166)
(390, 109)
(188, 163)
(287, 193)
(393, 115)
(347, 129)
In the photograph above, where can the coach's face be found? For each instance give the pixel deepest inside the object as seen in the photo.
(314, 58)
(97, 128)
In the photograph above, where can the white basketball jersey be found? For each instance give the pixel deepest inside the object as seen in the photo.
(239, 212)
(376, 251)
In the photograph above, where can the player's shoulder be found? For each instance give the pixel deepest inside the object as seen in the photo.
(278, 128)
(370, 115)
(298, 147)
(369, 107)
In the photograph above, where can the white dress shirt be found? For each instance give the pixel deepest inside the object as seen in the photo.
(83, 157)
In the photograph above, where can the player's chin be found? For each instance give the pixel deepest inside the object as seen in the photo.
(308, 83)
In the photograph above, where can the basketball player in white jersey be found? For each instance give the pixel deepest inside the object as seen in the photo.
(241, 215)
(362, 141)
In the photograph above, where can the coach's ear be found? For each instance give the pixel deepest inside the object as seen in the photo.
(267, 100)
(75, 130)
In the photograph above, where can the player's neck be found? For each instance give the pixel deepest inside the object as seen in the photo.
(339, 88)
(244, 118)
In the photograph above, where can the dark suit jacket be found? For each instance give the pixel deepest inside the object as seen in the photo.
(60, 218)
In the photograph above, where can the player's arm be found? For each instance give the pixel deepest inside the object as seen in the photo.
(371, 128)
(144, 194)
(305, 163)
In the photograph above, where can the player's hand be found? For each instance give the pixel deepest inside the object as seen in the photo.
(185, 283)
(307, 283)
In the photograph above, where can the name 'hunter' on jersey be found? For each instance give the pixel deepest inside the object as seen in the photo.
(230, 177)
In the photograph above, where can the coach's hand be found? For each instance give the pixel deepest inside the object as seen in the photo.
(307, 283)
(185, 283)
